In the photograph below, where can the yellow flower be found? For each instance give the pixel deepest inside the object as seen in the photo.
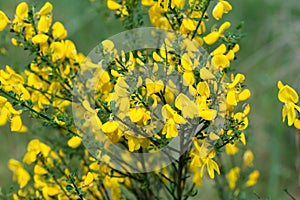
(40, 39)
(188, 75)
(235, 94)
(70, 49)
(16, 124)
(156, 16)
(3, 20)
(231, 149)
(205, 74)
(187, 107)
(92, 117)
(157, 57)
(212, 166)
(121, 97)
(188, 24)
(74, 142)
(232, 176)
(170, 128)
(46, 9)
(139, 115)
(35, 147)
(212, 37)
(11, 81)
(7, 111)
(112, 5)
(203, 157)
(297, 124)
(50, 191)
(111, 129)
(221, 8)
(208, 114)
(169, 113)
(290, 98)
(154, 87)
(220, 61)
(107, 45)
(239, 78)
(147, 2)
(59, 31)
(203, 89)
(4, 112)
(39, 170)
(59, 122)
(22, 176)
(242, 120)
(231, 53)
(203, 106)
(178, 3)
(248, 158)
(186, 62)
(252, 178)
(133, 143)
(22, 11)
(88, 179)
(29, 32)
(44, 24)
(57, 51)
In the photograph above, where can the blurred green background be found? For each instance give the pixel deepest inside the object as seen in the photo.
(269, 52)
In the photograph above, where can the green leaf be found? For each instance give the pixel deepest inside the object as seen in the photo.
(69, 188)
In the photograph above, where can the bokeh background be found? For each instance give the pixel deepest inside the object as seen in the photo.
(270, 51)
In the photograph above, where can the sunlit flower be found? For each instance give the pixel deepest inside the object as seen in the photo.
(212, 37)
(221, 8)
(290, 98)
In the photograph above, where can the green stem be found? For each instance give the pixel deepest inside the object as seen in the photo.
(44, 92)
(181, 164)
(54, 177)
(23, 104)
(76, 188)
(165, 185)
(201, 18)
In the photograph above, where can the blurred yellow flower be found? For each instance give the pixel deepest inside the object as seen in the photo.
(20, 174)
(3, 20)
(233, 176)
(248, 158)
(252, 178)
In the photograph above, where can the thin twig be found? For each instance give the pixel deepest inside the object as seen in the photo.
(289, 194)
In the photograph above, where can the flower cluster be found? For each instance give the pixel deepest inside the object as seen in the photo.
(140, 101)
(47, 81)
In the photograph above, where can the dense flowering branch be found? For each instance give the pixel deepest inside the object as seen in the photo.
(200, 107)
